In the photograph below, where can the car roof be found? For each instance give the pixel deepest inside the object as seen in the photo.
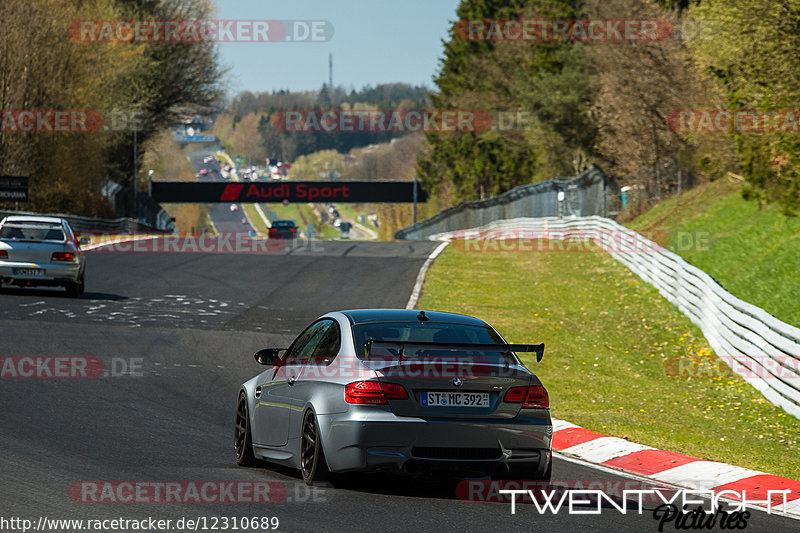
(365, 316)
(22, 218)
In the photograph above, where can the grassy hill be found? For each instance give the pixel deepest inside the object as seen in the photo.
(752, 251)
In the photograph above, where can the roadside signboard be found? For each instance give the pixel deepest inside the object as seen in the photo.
(286, 192)
(13, 188)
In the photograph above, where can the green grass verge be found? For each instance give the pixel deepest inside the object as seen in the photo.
(611, 341)
(752, 251)
(255, 218)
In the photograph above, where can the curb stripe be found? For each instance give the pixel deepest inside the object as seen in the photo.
(573, 436)
(604, 449)
(705, 475)
(674, 468)
(649, 462)
(757, 487)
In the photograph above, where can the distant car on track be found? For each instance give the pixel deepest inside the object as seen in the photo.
(41, 251)
(283, 229)
(401, 391)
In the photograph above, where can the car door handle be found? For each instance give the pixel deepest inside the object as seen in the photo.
(258, 392)
(292, 380)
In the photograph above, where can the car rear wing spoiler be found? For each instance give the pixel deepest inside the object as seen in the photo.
(401, 346)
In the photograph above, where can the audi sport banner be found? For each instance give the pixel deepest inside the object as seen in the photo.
(291, 191)
(13, 188)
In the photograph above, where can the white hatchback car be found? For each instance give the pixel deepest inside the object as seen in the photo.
(41, 251)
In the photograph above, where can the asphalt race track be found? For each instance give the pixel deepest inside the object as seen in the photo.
(175, 334)
(221, 215)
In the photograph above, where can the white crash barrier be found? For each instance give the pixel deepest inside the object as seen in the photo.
(755, 344)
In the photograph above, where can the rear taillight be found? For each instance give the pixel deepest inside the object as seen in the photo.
(533, 397)
(393, 391)
(292, 229)
(273, 230)
(3, 254)
(373, 392)
(64, 256)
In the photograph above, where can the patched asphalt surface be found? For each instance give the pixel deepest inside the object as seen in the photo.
(176, 333)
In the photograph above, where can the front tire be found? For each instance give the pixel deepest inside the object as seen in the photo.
(313, 466)
(242, 441)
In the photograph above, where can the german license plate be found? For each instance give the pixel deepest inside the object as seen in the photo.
(29, 272)
(455, 399)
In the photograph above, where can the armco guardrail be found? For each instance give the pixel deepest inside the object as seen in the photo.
(94, 225)
(591, 193)
(755, 344)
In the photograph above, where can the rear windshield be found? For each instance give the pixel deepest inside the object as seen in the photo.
(429, 332)
(32, 231)
(283, 224)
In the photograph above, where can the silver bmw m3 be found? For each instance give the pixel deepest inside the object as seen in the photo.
(405, 391)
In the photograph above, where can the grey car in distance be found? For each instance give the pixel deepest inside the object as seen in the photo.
(41, 251)
(396, 390)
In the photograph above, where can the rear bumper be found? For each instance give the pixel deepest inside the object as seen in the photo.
(54, 273)
(379, 440)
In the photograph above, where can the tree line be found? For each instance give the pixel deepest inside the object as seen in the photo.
(249, 125)
(658, 114)
(138, 86)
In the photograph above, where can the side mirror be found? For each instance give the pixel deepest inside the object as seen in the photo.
(268, 356)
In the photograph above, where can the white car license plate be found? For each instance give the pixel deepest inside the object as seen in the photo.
(455, 399)
(30, 272)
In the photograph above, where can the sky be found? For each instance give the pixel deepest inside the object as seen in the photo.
(374, 41)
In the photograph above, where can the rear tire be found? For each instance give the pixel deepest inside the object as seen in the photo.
(73, 290)
(242, 441)
(82, 284)
(313, 466)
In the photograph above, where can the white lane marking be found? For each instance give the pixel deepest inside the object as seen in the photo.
(263, 215)
(412, 301)
(705, 474)
(603, 449)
